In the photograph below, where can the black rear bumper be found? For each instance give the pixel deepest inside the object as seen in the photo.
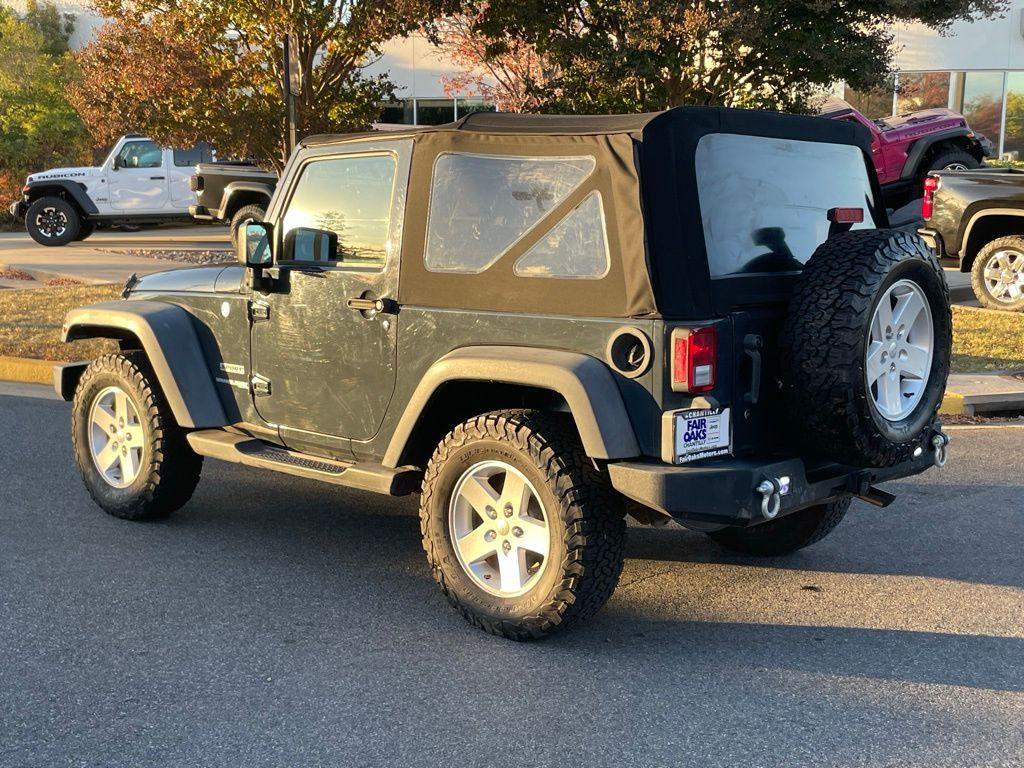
(741, 492)
(17, 209)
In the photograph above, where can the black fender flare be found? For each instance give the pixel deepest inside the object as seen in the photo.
(978, 211)
(236, 187)
(587, 385)
(922, 145)
(55, 187)
(168, 337)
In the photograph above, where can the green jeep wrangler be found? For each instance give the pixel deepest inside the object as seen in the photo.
(542, 324)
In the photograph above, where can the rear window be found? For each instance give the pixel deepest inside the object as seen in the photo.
(764, 201)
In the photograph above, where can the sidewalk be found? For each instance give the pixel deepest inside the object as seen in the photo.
(972, 394)
(96, 261)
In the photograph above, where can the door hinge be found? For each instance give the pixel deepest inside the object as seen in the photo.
(260, 385)
(259, 310)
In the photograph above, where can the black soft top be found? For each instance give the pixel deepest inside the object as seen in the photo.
(647, 175)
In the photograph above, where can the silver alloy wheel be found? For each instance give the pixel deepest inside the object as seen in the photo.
(115, 437)
(499, 528)
(1004, 276)
(51, 222)
(901, 342)
(955, 167)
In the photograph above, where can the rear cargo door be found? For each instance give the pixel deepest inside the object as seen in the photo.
(764, 206)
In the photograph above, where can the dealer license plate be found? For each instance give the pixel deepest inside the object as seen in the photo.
(701, 433)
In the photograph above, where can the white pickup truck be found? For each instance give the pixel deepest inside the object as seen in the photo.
(139, 183)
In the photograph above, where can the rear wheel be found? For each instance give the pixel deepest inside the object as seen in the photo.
(522, 534)
(243, 216)
(52, 221)
(998, 274)
(133, 457)
(784, 534)
(85, 230)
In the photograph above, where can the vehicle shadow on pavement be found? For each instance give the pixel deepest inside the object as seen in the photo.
(679, 606)
(929, 658)
(914, 537)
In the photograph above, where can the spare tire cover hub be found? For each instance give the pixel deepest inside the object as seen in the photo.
(899, 352)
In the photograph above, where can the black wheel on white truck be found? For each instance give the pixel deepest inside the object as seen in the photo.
(52, 221)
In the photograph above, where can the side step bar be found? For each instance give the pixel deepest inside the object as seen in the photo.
(242, 449)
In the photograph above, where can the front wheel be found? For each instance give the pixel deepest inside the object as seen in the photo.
(997, 276)
(954, 160)
(522, 534)
(52, 221)
(132, 455)
(785, 534)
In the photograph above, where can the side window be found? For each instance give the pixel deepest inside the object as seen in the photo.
(200, 153)
(343, 199)
(141, 154)
(576, 247)
(480, 205)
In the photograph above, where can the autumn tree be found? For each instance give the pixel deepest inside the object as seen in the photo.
(505, 71)
(637, 55)
(210, 70)
(38, 127)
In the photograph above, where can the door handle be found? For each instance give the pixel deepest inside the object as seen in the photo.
(373, 305)
(157, 178)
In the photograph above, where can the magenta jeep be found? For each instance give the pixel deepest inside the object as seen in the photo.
(906, 147)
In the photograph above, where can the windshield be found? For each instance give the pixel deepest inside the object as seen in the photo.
(765, 201)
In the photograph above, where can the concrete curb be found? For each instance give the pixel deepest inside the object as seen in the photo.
(971, 394)
(26, 370)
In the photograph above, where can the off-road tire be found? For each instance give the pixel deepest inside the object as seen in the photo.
(949, 157)
(169, 468)
(824, 340)
(71, 229)
(1013, 242)
(784, 534)
(586, 548)
(86, 229)
(244, 214)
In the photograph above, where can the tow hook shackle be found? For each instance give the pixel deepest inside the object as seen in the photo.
(940, 442)
(771, 497)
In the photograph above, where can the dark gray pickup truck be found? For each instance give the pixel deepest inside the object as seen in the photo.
(233, 192)
(977, 217)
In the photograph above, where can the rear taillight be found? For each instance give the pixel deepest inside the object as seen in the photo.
(931, 186)
(846, 215)
(694, 359)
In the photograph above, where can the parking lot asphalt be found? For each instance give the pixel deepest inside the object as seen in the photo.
(276, 622)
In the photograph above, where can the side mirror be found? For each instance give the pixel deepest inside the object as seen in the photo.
(253, 246)
(118, 163)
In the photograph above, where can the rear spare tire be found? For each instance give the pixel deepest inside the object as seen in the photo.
(865, 348)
